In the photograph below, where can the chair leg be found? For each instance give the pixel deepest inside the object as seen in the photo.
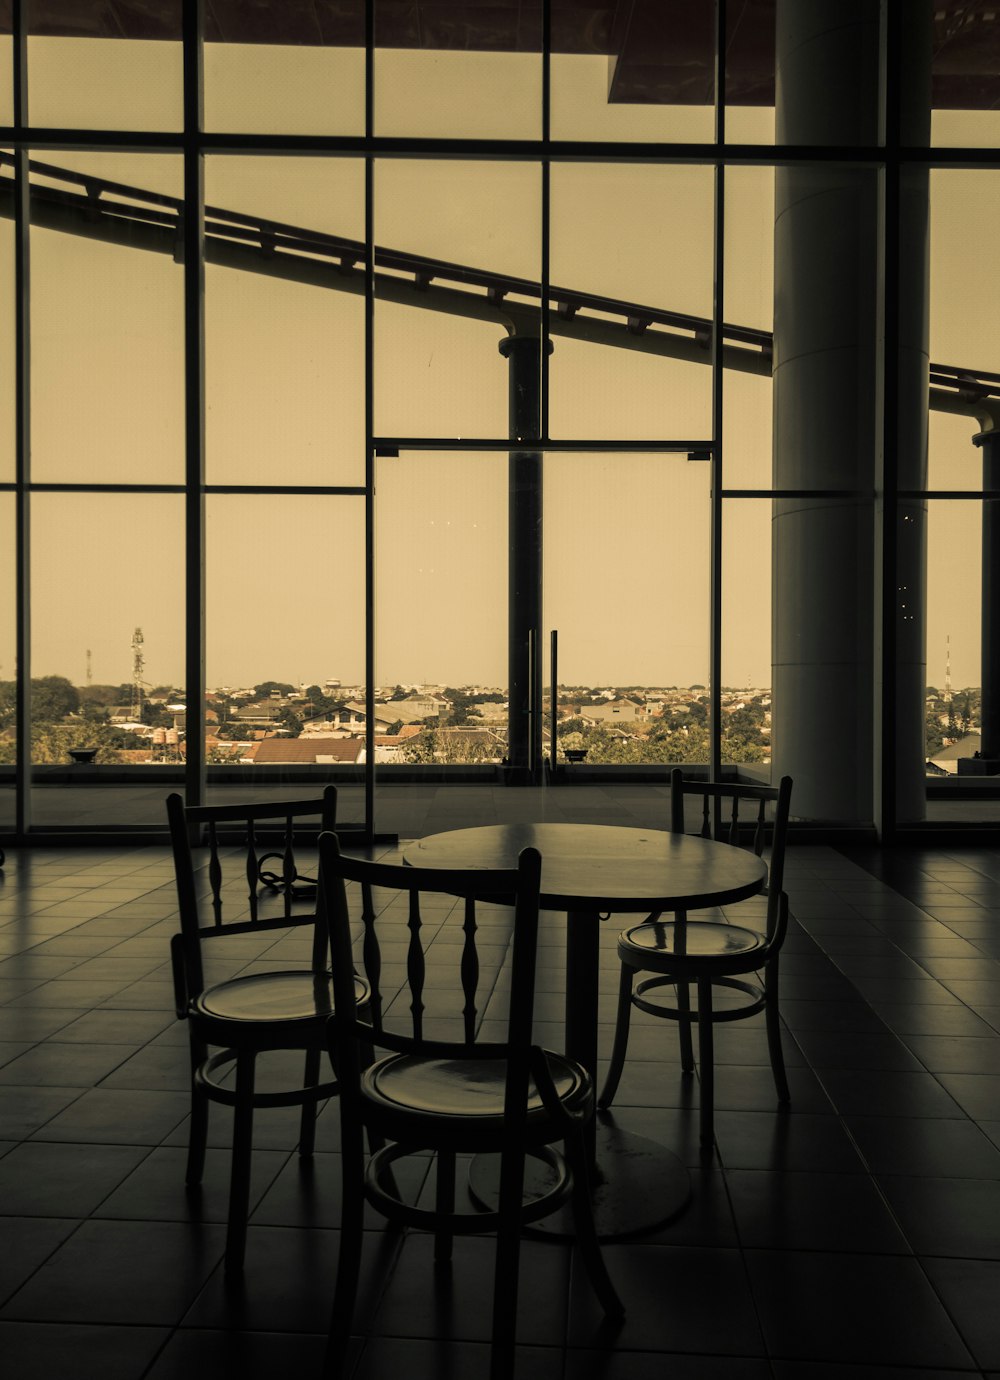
(505, 1278)
(444, 1203)
(307, 1125)
(683, 990)
(198, 1134)
(622, 1021)
(349, 1257)
(773, 1024)
(239, 1178)
(586, 1232)
(706, 1059)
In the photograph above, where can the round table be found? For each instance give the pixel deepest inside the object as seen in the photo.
(588, 871)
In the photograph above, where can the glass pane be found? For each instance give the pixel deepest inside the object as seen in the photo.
(965, 76)
(645, 72)
(624, 534)
(441, 608)
(285, 637)
(284, 326)
(750, 73)
(285, 69)
(6, 79)
(830, 59)
(749, 308)
(467, 71)
(746, 633)
(107, 322)
(107, 575)
(8, 414)
(8, 662)
(103, 67)
(632, 360)
(438, 370)
(954, 633)
(964, 301)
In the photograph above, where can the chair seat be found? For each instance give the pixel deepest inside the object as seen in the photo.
(295, 995)
(653, 945)
(463, 1088)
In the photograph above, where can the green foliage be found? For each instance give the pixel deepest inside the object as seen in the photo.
(267, 688)
(50, 743)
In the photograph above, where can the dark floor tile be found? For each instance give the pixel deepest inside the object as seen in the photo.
(144, 1273)
(117, 1027)
(957, 1053)
(119, 1116)
(937, 1147)
(288, 1281)
(848, 1050)
(978, 1094)
(855, 1016)
(20, 1023)
(423, 1301)
(860, 1092)
(53, 1180)
(155, 1191)
(969, 1289)
(65, 1065)
(27, 1243)
(803, 1211)
(907, 1018)
(58, 1350)
(25, 1110)
(419, 1359)
(951, 1217)
(752, 1089)
(671, 1296)
(199, 1354)
(785, 1139)
(160, 1067)
(852, 1309)
(656, 1365)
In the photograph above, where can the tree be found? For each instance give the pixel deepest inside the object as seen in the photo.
(289, 721)
(52, 698)
(267, 688)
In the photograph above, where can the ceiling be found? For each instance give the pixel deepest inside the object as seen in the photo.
(663, 48)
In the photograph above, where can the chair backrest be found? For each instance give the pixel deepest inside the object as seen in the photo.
(246, 879)
(426, 981)
(740, 814)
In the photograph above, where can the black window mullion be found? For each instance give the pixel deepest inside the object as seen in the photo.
(22, 425)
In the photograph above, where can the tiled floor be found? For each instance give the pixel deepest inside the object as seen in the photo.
(856, 1235)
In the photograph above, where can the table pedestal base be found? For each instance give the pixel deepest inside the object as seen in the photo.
(637, 1185)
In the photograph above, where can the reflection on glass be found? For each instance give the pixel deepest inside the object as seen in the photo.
(107, 381)
(8, 414)
(284, 321)
(749, 314)
(8, 662)
(472, 73)
(441, 607)
(746, 634)
(449, 237)
(965, 77)
(954, 632)
(750, 73)
(626, 582)
(107, 655)
(6, 79)
(643, 73)
(631, 273)
(117, 71)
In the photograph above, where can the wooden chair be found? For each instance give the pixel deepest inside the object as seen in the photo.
(413, 1092)
(232, 1021)
(687, 957)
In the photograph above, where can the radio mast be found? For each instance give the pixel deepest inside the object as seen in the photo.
(138, 665)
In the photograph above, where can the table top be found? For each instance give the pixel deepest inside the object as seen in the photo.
(604, 867)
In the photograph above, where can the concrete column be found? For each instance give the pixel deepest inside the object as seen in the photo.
(524, 618)
(827, 422)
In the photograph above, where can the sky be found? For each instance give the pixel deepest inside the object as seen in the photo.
(626, 538)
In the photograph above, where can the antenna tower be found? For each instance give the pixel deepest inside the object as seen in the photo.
(138, 665)
(90, 669)
(947, 670)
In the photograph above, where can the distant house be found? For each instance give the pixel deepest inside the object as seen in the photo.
(307, 751)
(946, 758)
(614, 712)
(260, 712)
(417, 707)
